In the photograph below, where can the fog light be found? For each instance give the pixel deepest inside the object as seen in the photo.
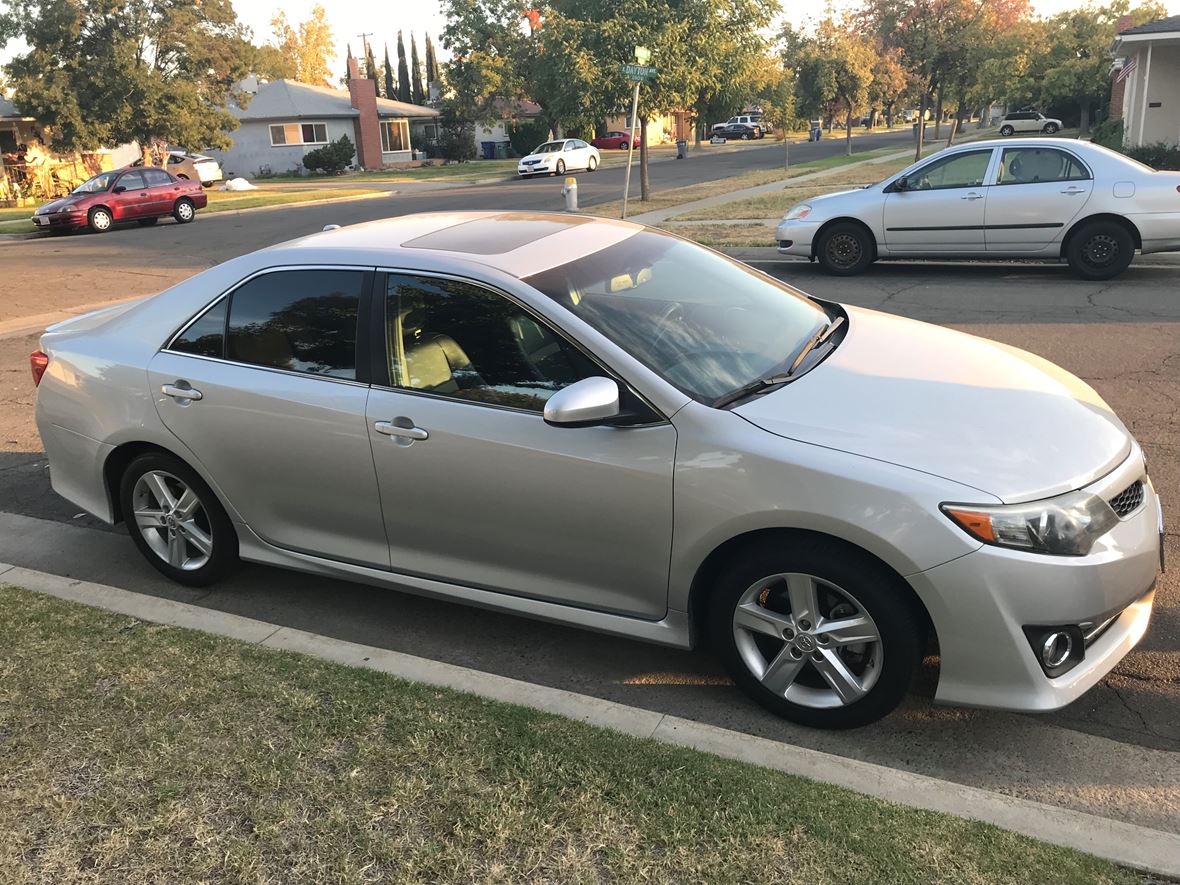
(786, 244)
(1056, 649)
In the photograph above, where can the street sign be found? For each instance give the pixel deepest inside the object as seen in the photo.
(639, 72)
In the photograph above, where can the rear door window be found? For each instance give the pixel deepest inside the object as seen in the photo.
(1029, 165)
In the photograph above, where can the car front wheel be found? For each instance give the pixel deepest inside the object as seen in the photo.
(176, 521)
(184, 211)
(100, 220)
(1100, 250)
(817, 633)
(844, 249)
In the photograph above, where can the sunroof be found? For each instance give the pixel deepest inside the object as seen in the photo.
(494, 234)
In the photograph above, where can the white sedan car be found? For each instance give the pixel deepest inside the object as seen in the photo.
(558, 157)
(1056, 199)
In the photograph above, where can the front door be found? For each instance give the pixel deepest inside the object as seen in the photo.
(264, 389)
(478, 490)
(941, 207)
(1038, 192)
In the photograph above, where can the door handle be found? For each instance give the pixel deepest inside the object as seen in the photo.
(390, 428)
(178, 392)
(1074, 191)
(971, 196)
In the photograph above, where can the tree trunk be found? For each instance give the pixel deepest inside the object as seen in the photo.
(954, 128)
(921, 124)
(644, 184)
(985, 116)
(848, 132)
(1084, 124)
(938, 114)
(889, 115)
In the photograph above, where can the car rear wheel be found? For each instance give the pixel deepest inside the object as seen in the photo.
(844, 249)
(1006, 130)
(176, 521)
(1050, 128)
(147, 222)
(184, 211)
(100, 220)
(1100, 250)
(592, 164)
(817, 633)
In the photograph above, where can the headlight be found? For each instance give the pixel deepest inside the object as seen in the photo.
(800, 211)
(1066, 525)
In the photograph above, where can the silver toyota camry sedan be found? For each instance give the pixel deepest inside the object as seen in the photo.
(600, 424)
(1044, 198)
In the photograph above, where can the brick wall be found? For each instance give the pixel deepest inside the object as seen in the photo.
(363, 93)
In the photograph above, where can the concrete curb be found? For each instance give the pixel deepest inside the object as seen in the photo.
(1142, 848)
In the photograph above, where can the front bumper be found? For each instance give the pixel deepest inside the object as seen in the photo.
(59, 221)
(981, 602)
(536, 169)
(795, 237)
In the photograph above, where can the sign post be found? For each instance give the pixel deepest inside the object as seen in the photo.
(637, 72)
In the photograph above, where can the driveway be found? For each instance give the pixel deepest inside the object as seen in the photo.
(1114, 752)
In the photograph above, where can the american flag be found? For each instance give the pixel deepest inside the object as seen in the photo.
(1126, 70)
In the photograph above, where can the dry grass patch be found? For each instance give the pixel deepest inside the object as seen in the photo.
(135, 753)
(725, 235)
(221, 201)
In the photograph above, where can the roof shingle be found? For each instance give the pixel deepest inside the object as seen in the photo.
(287, 99)
(1159, 26)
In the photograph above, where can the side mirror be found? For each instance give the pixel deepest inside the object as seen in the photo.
(118, 189)
(584, 403)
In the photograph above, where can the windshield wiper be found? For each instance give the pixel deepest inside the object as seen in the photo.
(762, 384)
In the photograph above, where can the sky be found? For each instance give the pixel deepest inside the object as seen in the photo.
(349, 20)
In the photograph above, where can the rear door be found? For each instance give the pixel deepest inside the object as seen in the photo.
(941, 208)
(129, 197)
(162, 191)
(1038, 191)
(268, 389)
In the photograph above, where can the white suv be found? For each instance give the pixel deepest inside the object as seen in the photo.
(1028, 121)
(754, 120)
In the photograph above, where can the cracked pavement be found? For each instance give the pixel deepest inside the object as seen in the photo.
(1114, 752)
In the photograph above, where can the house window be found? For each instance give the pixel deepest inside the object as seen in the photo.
(298, 133)
(395, 135)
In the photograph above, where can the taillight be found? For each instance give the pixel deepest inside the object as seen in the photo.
(38, 363)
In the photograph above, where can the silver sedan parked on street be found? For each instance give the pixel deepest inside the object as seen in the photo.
(596, 423)
(1057, 199)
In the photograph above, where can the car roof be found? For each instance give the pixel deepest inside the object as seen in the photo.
(517, 243)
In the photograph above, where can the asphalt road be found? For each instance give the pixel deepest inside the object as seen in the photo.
(1116, 751)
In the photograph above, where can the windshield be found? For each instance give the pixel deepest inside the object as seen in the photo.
(97, 184)
(704, 323)
(550, 147)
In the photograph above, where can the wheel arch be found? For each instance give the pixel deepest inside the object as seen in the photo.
(840, 219)
(103, 206)
(705, 577)
(1120, 220)
(123, 454)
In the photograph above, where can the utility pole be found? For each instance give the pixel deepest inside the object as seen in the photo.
(365, 43)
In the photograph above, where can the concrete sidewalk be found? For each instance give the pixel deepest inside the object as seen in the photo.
(1138, 847)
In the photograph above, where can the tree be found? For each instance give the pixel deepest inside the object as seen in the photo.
(403, 74)
(891, 81)
(390, 86)
(104, 73)
(431, 69)
(309, 48)
(347, 65)
(416, 92)
(837, 68)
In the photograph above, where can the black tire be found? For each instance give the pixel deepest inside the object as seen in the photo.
(184, 211)
(100, 220)
(559, 169)
(210, 519)
(886, 668)
(1006, 131)
(845, 249)
(1050, 129)
(147, 222)
(591, 164)
(1100, 250)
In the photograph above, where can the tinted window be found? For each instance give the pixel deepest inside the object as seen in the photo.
(133, 181)
(961, 170)
(156, 177)
(205, 337)
(301, 320)
(454, 339)
(1029, 165)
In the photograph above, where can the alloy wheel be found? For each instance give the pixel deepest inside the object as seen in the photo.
(172, 520)
(807, 640)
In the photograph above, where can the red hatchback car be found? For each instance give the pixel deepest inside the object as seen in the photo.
(614, 141)
(142, 195)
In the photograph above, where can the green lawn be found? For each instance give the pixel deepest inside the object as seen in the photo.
(136, 753)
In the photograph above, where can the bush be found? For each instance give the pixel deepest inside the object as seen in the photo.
(455, 142)
(1157, 156)
(331, 158)
(527, 135)
(1108, 133)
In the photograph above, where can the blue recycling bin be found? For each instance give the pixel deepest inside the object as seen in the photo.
(487, 150)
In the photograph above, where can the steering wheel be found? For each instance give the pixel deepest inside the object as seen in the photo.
(673, 311)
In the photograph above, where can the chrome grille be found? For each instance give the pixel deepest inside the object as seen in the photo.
(1128, 500)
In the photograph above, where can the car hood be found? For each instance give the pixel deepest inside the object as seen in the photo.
(539, 157)
(953, 405)
(828, 202)
(58, 205)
